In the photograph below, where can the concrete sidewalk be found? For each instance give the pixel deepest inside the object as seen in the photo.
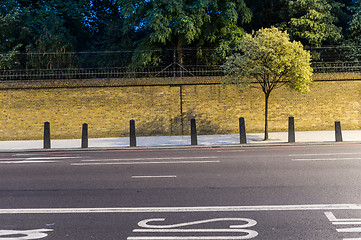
(173, 141)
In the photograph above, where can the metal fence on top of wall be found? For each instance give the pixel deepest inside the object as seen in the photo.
(118, 64)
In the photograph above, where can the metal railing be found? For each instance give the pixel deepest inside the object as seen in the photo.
(336, 67)
(106, 73)
(173, 70)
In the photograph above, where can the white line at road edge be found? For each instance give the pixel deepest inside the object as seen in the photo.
(325, 159)
(165, 176)
(183, 209)
(141, 163)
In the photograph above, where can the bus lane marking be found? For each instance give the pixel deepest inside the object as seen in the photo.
(345, 221)
(24, 234)
(175, 228)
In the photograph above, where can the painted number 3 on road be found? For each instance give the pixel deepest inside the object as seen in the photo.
(158, 232)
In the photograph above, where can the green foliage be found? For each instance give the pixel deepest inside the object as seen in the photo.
(272, 60)
(154, 26)
(354, 24)
(312, 22)
(186, 23)
(8, 60)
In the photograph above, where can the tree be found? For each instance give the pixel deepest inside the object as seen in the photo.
(14, 36)
(272, 60)
(312, 22)
(354, 25)
(177, 24)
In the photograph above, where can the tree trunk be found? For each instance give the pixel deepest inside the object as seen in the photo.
(266, 118)
(180, 51)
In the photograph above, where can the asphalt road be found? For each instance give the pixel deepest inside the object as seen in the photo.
(279, 192)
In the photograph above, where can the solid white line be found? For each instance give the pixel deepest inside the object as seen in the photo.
(26, 162)
(186, 230)
(312, 207)
(189, 238)
(50, 158)
(231, 151)
(145, 159)
(322, 154)
(165, 176)
(142, 163)
(346, 223)
(325, 159)
(349, 230)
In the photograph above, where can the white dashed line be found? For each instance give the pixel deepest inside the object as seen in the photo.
(142, 163)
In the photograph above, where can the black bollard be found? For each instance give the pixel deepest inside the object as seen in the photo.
(338, 132)
(133, 138)
(84, 136)
(242, 131)
(291, 130)
(47, 144)
(194, 140)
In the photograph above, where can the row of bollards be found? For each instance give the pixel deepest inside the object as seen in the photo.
(47, 139)
(291, 131)
(194, 141)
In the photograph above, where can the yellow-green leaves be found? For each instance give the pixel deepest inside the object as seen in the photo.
(272, 60)
(269, 57)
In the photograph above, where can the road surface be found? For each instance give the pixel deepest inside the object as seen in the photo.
(279, 192)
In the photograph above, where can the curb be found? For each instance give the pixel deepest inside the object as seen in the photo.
(248, 145)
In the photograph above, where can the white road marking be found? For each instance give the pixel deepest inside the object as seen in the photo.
(145, 223)
(346, 223)
(32, 160)
(165, 176)
(26, 162)
(50, 158)
(174, 228)
(220, 151)
(331, 217)
(349, 230)
(11, 159)
(185, 230)
(314, 207)
(187, 238)
(27, 234)
(142, 163)
(325, 159)
(321, 154)
(145, 159)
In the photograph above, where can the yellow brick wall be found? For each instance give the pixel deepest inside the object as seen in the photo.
(156, 108)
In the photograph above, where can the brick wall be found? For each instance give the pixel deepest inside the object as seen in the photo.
(165, 107)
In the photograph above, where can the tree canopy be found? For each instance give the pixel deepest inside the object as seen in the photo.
(149, 27)
(312, 22)
(272, 60)
(186, 23)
